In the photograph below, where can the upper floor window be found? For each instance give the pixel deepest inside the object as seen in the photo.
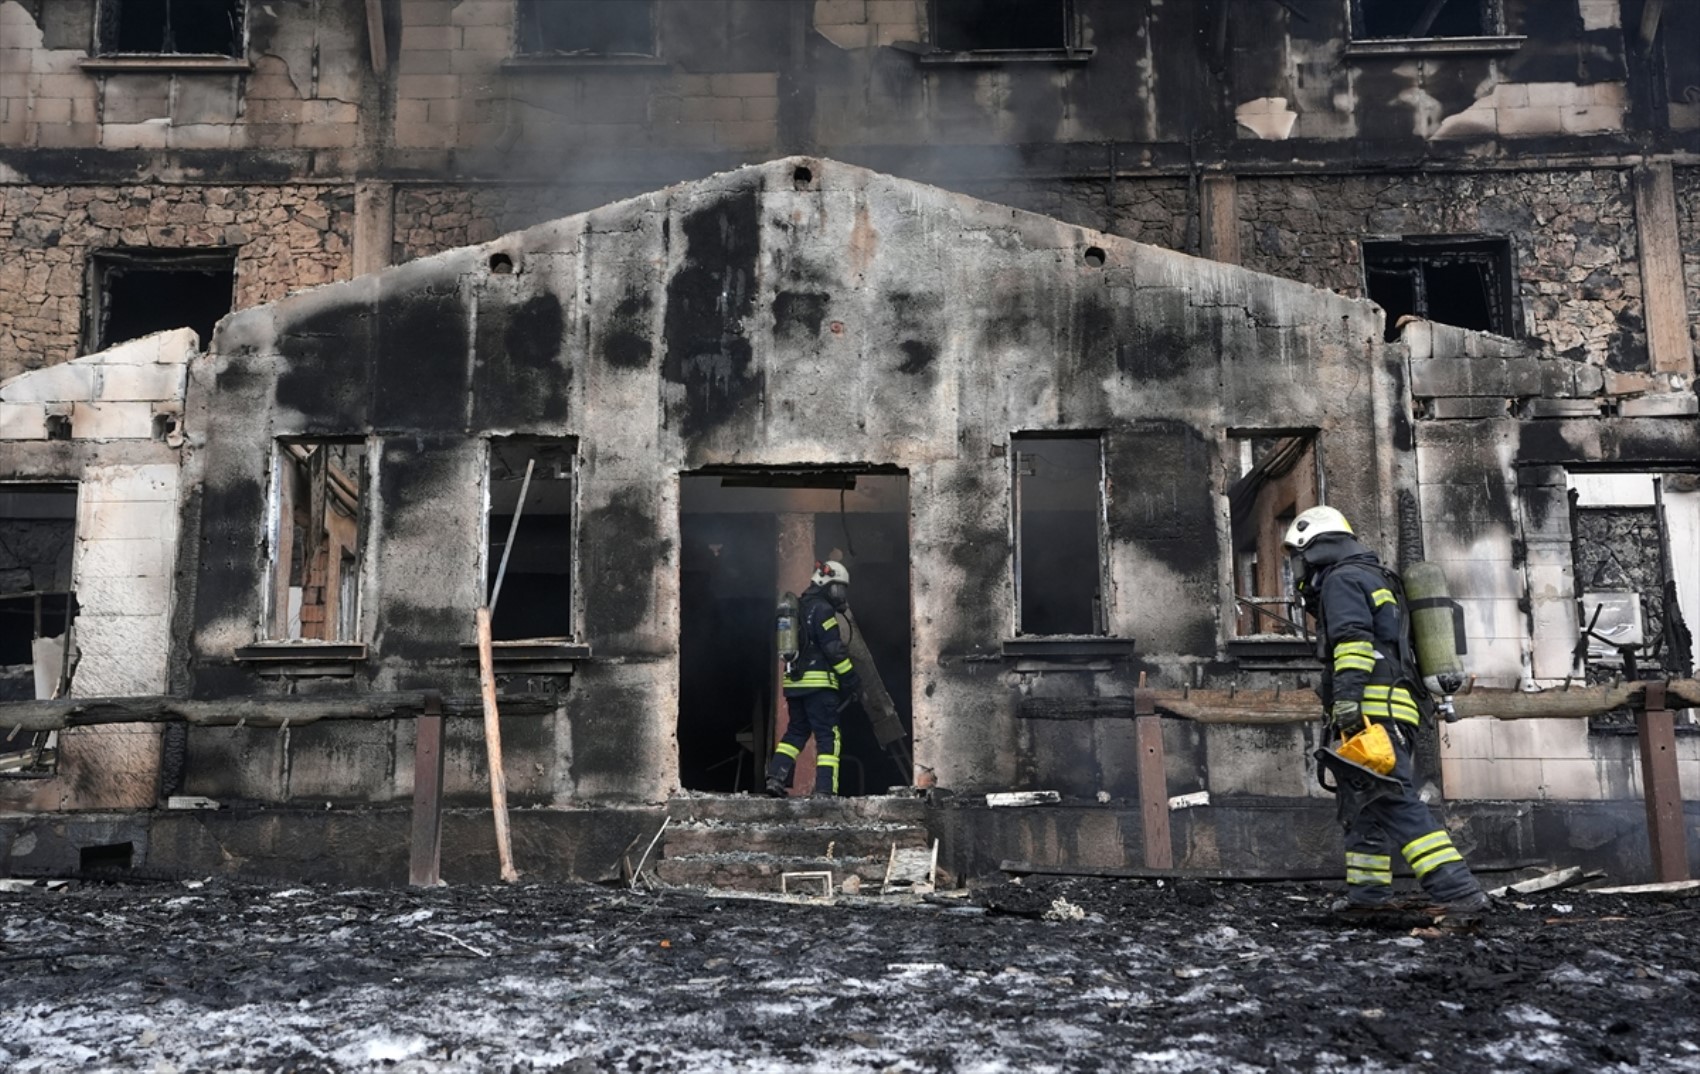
(1460, 282)
(171, 27)
(1059, 533)
(1001, 25)
(1416, 19)
(317, 526)
(585, 27)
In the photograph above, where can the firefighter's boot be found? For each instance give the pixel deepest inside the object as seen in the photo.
(779, 775)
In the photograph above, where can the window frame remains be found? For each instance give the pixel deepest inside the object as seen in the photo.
(1097, 620)
(107, 265)
(112, 39)
(526, 14)
(342, 495)
(1367, 40)
(1264, 492)
(1418, 257)
(1067, 50)
(562, 455)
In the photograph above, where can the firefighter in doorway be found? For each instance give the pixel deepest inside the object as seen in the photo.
(1374, 698)
(815, 681)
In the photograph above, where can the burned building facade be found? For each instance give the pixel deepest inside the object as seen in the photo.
(1043, 324)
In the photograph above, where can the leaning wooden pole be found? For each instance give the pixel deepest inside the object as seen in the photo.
(493, 747)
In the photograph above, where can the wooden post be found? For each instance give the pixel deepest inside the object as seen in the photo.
(1153, 782)
(425, 869)
(1661, 786)
(493, 747)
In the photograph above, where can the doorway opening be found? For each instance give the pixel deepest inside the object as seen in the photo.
(747, 536)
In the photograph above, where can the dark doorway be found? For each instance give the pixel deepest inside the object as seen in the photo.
(135, 293)
(746, 537)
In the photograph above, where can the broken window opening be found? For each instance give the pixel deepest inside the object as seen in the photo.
(171, 27)
(536, 600)
(1059, 533)
(586, 27)
(136, 292)
(1275, 477)
(1001, 25)
(317, 536)
(1464, 283)
(1396, 19)
(38, 609)
(1636, 577)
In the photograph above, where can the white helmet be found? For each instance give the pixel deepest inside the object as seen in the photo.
(1312, 523)
(829, 572)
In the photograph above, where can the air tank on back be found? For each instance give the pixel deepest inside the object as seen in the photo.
(1437, 629)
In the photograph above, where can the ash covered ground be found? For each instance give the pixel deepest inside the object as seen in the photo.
(1044, 975)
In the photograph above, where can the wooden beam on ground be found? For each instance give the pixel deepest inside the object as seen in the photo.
(246, 711)
(425, 864)
(1661, 786)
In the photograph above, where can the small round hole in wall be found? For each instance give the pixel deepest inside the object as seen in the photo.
(802, 176)
(1094, 257)
(501, 264)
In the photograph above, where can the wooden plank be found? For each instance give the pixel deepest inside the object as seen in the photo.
(1664, 305)
(1674, 887)
(1153, 792)
(1219, 218)
(247, 711)
(1023, 798)
(1661, 786)
(493, 748)
(425, 863)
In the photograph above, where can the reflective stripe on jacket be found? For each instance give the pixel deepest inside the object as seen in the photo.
(1362, 641)
(824, 660)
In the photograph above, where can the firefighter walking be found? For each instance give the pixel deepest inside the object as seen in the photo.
(817, 674)
(1373, 695)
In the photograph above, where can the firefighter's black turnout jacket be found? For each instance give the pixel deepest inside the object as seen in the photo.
(1362, 637)
(823, 659)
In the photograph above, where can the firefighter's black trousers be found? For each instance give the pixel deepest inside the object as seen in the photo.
(1404, 824)
(811, 712)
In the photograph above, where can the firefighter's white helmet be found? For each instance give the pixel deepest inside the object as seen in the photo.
(1312, 523)
(829, 573)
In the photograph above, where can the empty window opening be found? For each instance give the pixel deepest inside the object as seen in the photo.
(1274, 477)
(587, 27)
(135, 293)
(317, 526)
(981, 25)
(1059, 527)
(38, 529)
(536, 598)
(109, 858)
(1426, 18)
(176, 27)
(1637, 581)
(1465, 283)
(748, 536)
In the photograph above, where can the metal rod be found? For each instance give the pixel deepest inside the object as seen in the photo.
(513, 528)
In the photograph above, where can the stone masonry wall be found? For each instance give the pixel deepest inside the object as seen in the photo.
(286, 238)
(1688, 230)
(1572, 235)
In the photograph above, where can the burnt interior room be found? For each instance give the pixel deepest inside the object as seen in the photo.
(1465, 283)
(38, 528)
(1432, 18)
(746, 538)
(531, 480)
(191, 27)
(136, 292)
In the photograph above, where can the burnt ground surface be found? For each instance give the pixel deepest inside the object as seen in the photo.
(1046, 975)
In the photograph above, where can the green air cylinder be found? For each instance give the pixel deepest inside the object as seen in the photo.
(1437, 628)
(785, 628)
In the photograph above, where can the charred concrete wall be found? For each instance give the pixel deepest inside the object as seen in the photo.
(109, 425)
(937, 326)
